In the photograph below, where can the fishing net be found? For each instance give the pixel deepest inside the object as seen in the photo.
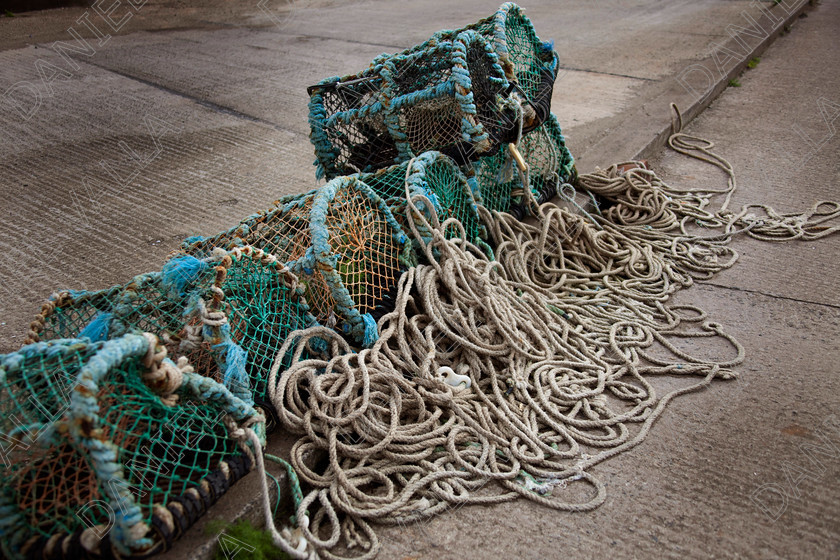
(549, 166)
(165, 303)
(228, 314)
(361, 250)
(343, 244)
(406, 104)
(462, 93)
(437, 178)
(275, 230)
(111, 448)
(283, 231)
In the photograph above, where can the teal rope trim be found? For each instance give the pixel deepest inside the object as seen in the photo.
(97, 329)
(325, 153)
(390, 102)
(371, 333)
(13, 362)
(181, 273)
(84, 428)
(476, 189)
(391, 116)
(511, 14)
(209, 391)
(354, 324)
(231, 359)
(294, 481)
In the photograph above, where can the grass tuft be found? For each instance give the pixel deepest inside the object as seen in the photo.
(242, 536)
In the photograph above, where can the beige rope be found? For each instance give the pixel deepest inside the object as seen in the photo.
(559, 338)
(163, 376)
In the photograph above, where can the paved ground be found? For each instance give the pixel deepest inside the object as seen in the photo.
(212, 101)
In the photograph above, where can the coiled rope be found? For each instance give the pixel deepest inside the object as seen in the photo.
(559, 339)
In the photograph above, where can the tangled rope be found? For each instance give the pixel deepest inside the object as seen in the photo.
(558, 338)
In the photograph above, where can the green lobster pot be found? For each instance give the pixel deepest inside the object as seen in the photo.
(441, 96)
(228, 314)
(111, 448)
(438, 178)
(467, 93)
(550, 164)
(342, 243)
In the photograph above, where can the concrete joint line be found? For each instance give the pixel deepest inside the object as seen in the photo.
(734, 45)
(203, 102)
(766, 294)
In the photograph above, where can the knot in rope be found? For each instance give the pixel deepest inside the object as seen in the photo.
(162, 375)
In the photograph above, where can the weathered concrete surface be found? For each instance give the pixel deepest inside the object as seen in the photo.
(211, 98)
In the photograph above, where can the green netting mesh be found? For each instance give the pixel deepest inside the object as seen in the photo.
(283, 231)
(110, 447)
(343, 244)
(156, 302)
(262, 304)
(438, 178)
(524, 57)
(227, 313)
(361, 251)
(550, 164)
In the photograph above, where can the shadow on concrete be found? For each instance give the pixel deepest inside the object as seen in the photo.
(18, 6)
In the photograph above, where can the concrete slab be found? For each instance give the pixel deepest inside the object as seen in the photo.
(778, 132)
(582, 97)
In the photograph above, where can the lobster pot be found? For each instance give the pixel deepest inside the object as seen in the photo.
(550, 164)
(444, 96)
(228, 314)
(283, 231)
(162, 303)
(463, 92)
(260, 302)
(111, 448)
(529, 63)
(165, 303)
(438, 178)
(343, 245)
